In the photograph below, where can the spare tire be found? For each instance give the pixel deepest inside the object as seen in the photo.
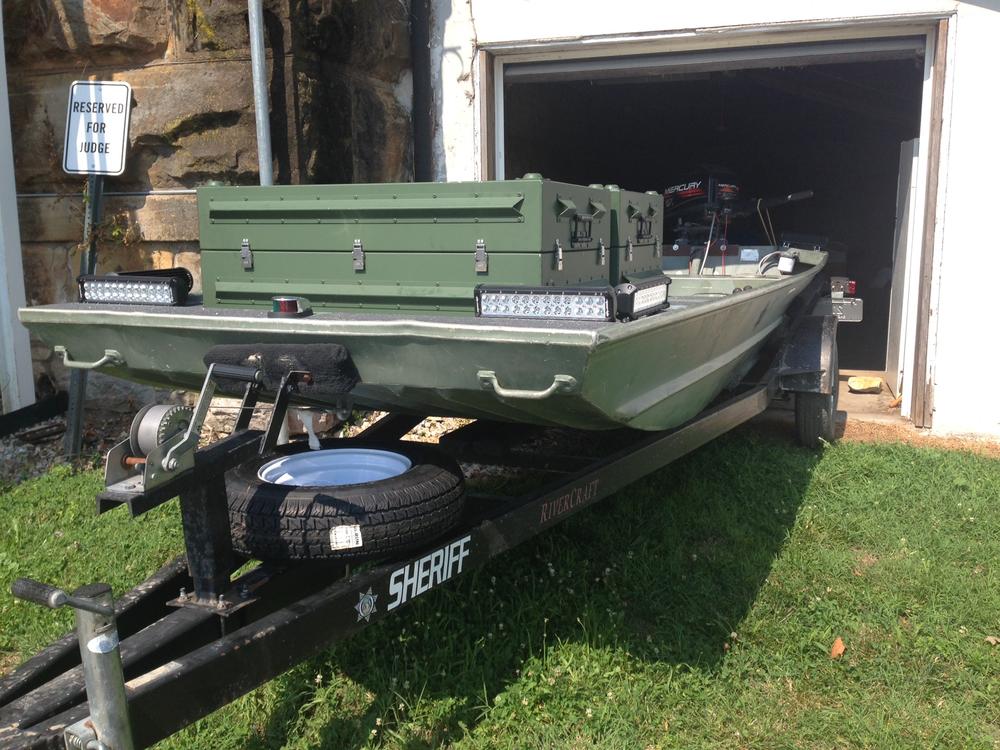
(352, 500)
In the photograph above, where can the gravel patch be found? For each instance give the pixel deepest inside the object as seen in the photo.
(21, 460)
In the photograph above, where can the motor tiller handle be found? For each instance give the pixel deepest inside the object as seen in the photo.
(800, 196)
(790, 198)
(237, 372)
(38, 593)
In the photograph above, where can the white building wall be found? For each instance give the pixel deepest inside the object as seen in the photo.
(16, 381)
(965, 353)
(453, 52)
(964, 343)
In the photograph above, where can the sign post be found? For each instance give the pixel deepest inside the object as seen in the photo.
(97, 122)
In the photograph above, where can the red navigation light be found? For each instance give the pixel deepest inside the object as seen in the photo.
(852, 287)
(290, 307)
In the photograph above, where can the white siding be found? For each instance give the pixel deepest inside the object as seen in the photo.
(964, 354)
(16, 382)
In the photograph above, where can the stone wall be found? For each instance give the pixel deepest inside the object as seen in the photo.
(340, 91)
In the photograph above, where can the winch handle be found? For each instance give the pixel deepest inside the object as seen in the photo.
(237, 372)
(37, 592)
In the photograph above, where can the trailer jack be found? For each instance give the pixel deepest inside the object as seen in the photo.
(108, 726)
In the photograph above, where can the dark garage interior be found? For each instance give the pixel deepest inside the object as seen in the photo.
(833, 128)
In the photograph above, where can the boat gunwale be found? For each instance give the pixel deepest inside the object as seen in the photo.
(584, 333)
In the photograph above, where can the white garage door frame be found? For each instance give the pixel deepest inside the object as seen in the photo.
(757, 47)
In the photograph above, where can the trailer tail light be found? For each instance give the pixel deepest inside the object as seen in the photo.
(841, 286)
(163, 287)
(636, 299)
(541, 302)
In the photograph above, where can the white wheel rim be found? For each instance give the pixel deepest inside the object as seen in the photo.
(335, 467)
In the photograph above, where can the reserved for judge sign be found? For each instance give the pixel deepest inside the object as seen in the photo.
(97, 127)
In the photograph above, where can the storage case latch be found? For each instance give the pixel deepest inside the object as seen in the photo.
(643, 227)
(582, 229)
(358, 256)
(602, 252)
(482, 257)
(628, 251)
(559, 256)
(246, 255)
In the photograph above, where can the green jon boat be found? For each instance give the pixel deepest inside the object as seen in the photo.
(400, 276)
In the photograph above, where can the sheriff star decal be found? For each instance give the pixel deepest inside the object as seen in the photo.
(366, 605)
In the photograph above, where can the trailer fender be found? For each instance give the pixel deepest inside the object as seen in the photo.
(808, 359)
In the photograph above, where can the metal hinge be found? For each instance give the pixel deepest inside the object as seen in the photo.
(628, 251)
(246, 255)
(358, 256)
(482, 257)
(602, 253)
(559, 256)
(657, 248)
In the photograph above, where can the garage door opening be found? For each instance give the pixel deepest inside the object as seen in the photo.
(834, 128)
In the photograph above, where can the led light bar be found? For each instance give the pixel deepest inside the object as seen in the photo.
(545, 302)
(636, 299)
(163, 287)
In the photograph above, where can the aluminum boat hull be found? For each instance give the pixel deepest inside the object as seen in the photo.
(651, 374)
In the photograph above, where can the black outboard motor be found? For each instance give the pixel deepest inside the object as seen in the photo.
(709, 201)
(711, 190)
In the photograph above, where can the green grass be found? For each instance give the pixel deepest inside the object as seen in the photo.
(51, 533)
(694, 610)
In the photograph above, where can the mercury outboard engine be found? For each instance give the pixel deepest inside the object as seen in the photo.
(711, 190)
(711, 199)
(701, 210)
(692, 207)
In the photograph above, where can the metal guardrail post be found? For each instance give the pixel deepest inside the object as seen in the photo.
(108, 726)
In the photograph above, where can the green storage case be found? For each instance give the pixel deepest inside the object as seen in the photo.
(403, 246)
(636, 234)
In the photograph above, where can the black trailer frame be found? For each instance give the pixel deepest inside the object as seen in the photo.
(186, 656)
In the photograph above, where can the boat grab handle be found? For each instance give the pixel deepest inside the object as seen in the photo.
(488, 381)
(111, 357)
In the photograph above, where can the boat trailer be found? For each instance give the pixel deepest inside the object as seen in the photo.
(189, 640)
